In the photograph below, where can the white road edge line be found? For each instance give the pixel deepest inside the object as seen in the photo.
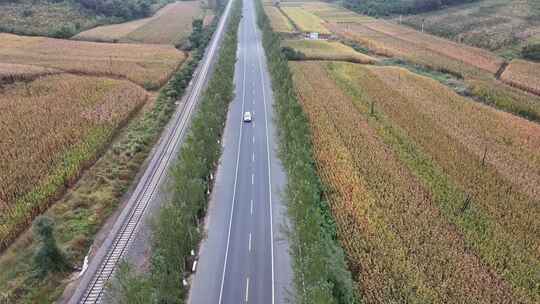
(235, 177)
(252, 178)
(249, 245)
(247, 289)
(268, 159)
(251, 208)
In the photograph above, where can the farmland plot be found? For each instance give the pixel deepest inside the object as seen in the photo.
(21, 72)
(146, 65)
(52, 128)
(305, 21)
(328, 50)
(524, 75)
(423, 215)
(393, 41)
(279, 22)
(170, 25)
(476, 66)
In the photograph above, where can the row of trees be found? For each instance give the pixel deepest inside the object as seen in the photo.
(125, 9)
(176, 230)
(388, 7)
(320, 270)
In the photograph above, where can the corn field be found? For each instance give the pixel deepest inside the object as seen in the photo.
(51, 129)
(423, 215)
(146, 65)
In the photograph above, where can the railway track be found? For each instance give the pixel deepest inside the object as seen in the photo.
(152, 178)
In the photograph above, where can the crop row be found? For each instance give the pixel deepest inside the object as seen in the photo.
(406, 236)
(490, 156)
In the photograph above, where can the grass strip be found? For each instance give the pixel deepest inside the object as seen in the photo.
(321, 274)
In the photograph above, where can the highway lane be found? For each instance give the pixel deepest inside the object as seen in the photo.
(244, 258)
(103, 263)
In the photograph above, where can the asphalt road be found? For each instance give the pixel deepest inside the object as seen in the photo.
(245, 258)
(103, 262)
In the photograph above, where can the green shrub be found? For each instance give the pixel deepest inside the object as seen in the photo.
(292, 54)
(64, 31)
(531, 52)
(47, 257)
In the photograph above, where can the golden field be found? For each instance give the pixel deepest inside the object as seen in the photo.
(328, 50)
(278, 21)
(147, 65)
(524, 75)
(476, 67)
(17, 72)
(304, 20)
(170, 25)
(435, 197)
(55, 127)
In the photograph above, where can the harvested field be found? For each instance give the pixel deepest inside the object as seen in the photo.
(524, 75)
(37, 163)
(305, 21)
(170, 25)
(279, 22)
(147, 65)
(328, 50)
(436, 199)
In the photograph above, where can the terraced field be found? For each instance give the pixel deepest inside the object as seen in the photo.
(147, 65)
(524, 75)
(435, 197)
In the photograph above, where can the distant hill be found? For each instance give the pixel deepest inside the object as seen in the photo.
(65, 18)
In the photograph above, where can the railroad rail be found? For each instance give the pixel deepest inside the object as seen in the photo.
(152, 178)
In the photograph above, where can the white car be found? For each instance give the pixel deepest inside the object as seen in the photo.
(247, 117)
